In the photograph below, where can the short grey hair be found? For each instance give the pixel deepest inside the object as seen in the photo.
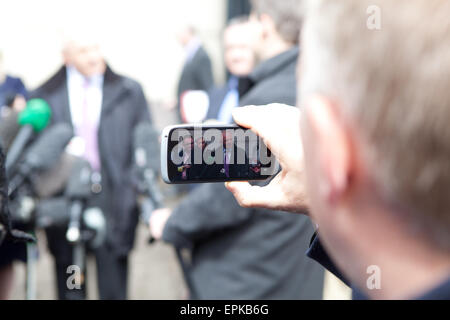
(287, 15)
(393, 86)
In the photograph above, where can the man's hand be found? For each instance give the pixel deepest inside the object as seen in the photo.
(19, 103)
(279, 127)
(158, 221)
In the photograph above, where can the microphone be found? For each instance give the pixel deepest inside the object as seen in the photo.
(22, 210)
(53, 182)
(147, 157)
(94, 219)
(147, 147)
(52, 212)
(34, 118)
(9, 128)
(43, 153)
(147, 164)
(6, 230)
(77, 191)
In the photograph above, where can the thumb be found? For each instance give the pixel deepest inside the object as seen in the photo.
(245, 116)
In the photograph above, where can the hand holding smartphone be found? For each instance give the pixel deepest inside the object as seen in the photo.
(214, 153)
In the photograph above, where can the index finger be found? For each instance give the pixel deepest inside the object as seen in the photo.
(274, 123)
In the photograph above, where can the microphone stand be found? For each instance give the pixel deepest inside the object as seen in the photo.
(74, 236)
(31, 271)
(153, 199)
(79, 191)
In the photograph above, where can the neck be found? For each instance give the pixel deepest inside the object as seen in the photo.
(409, 266)
(409, 271)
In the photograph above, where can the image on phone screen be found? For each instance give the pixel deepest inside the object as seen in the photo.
(214, 154)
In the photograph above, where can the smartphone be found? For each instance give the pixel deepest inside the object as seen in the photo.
(214, 153)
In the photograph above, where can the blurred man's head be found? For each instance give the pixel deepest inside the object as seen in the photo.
(201, 143)
(239, 54)
(188, 143)
(82, 51)
(376, 136)
(186, 34)
(276, 26)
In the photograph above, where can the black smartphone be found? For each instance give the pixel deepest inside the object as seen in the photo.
(214, 153)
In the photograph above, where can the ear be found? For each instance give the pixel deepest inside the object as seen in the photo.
(332, 148)
(66, 57)
(268, 25)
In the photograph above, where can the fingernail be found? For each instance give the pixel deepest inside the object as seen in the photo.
(240, 113)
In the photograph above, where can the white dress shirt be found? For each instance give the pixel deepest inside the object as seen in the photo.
(192, 48)
(82, 90)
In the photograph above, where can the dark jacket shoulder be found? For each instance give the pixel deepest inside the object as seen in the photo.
(52, 84)
(274, 81)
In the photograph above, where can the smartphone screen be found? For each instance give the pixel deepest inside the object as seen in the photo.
(215, 154)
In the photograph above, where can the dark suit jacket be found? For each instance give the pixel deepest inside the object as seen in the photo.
(241, 253)
(10, 88)
(216, 97)
(124, 107)
(217, 171)
(5, 219)
(200, 172)
(197, 74)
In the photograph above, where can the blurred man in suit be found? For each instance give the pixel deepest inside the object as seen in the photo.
(228, 160)
(13, 93)
(103, 108)
(239, 60)
(188, 169)
(197, 71)
(188, 158)
(240, 253)
(197, 75)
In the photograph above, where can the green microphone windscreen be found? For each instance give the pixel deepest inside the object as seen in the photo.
(37, 114)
